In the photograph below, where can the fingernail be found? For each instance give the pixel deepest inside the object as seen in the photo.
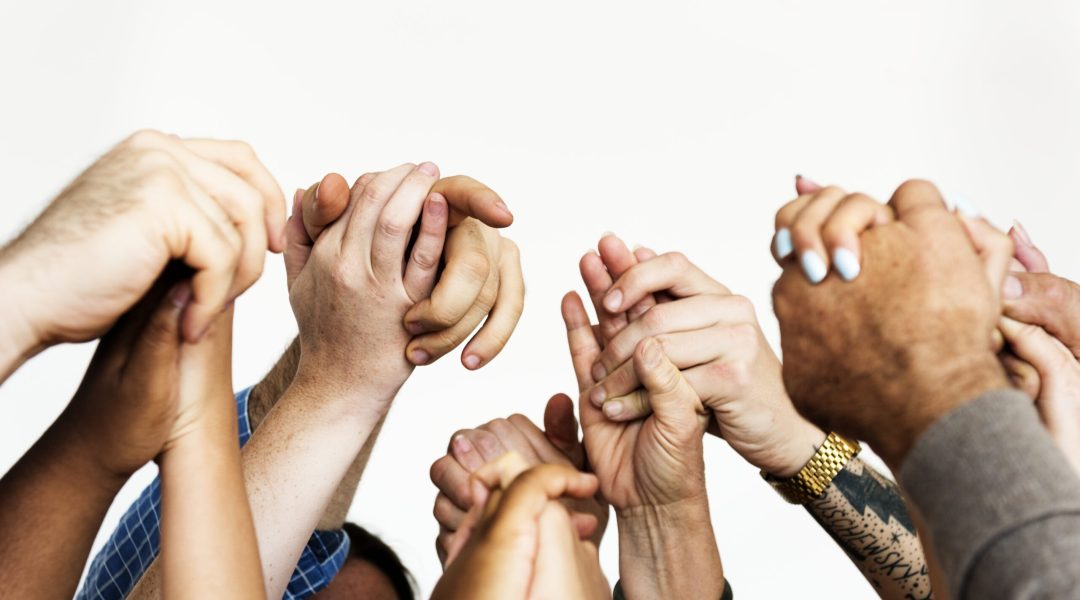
(613, 409)
(420, 357)
(782, 243)
(635, 247)
(813, 266)
(966, 208)
(181, 294)
(597, 396)
(613, 300)
(315, 196)
(1012, 288)
(471, 361)
(846, 264)
(598, 372)
(462, 445)
(1022, 234)
(607, 234)
(428, 168)
(436, 206)
(806, 179)
(298, 195)
(499, 204)
(415, 328)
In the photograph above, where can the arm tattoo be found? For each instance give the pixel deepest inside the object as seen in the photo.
(865, 513)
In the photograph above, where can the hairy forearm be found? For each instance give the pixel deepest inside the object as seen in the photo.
(47, 536)
(865, 513)
(208, 547)
(267, 392)
(669, 552)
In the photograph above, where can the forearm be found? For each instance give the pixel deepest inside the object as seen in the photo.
(866, 515)
(47, 536)
(1020, 499)
(266, 393)
(295, 462)
(338, 509)
(669, 552)
(208, 545)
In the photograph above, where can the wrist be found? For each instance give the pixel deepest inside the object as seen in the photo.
(340, 398)
(20, 339)
(669, 551)
(931, 398)
(793, 449)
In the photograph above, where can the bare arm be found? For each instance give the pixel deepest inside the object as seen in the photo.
(866, 515)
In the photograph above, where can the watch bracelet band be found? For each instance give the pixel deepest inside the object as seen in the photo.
(816, 475)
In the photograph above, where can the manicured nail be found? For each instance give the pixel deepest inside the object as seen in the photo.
(1022, 234)
(428, 168)
(420, 357)
(597, 396)
(813, 266)
(1012, 288)
(181, 294)
(613, 409)
(966, 208)
(471, 361)
(782, 243)
(846, 264)
(613, 300)
(598, 372)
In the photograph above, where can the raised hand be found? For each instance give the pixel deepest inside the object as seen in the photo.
(471, 449)
(480, 277)
(518, 540)
(914, 336)
(108, 236)
(713, 337)
(650, 470)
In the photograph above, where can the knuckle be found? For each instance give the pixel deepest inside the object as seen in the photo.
(677, 260)
(805, 234)
(375, 191)
(146, 138)
(392, 228)
(655, 318)
(424, 258)
(742, 307)
(510, 248)
(475, 265)
(919, 187)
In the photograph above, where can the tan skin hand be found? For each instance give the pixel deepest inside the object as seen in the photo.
(518, 541)
(935, 308)
(480, 274)
(471, 449)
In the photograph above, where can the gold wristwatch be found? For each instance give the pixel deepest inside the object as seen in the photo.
(815, 476)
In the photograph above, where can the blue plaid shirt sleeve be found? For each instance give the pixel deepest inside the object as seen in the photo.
(134, 544)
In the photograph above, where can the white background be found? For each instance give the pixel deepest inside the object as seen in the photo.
(678, 125)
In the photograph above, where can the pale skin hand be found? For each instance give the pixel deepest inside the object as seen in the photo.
(471, 449)
(518, 540)
(150, 200)
(709, 334)
(118, 420)
(481, 278)
(651, 471)
(349, 298)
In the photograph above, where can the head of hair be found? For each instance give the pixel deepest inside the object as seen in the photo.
(365, 546)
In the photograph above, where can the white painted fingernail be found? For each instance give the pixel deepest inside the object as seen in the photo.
(813, 266)
(846, 264)
(966, 208)
(782, 243)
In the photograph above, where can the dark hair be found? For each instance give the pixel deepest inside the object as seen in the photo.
(365, 546)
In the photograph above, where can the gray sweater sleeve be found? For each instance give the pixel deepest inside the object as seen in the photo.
(1000, 501)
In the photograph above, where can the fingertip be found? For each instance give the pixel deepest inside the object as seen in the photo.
(471, 361)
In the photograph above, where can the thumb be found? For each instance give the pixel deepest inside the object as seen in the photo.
(1048, 301)
(673, 400)
(156, 350)
(561, 428)
(468, 197)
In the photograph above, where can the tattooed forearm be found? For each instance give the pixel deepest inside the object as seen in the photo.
(865, 513)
